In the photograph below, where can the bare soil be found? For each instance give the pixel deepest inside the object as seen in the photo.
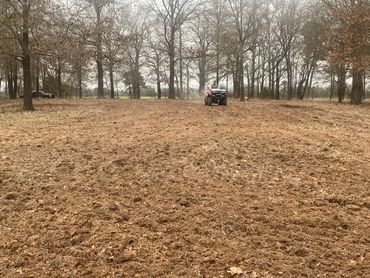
(177, 189)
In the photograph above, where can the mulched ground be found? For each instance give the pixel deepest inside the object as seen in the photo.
(177, 189)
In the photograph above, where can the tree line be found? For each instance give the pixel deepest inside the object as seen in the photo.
(262, 48)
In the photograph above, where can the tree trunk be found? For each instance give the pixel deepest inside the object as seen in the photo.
(27, 79)
(236, 83)
(171, 89)
(289, 77)
(241, 77)
(181, 93)
(308, 84)
(111, 79)
(277, 94)
(248, 81)
(100, 78)
(253, 75)
(171, 54)
(138, 91)
(364, 86)
(6, 90)
(331, 87)
(10, 85)
(300, 93)
(43, 76)
(357, 86)
(134, 86)
(79, 81)
(159, 90)
(99, 48)
(10, 82)
(12, 78)
(187, 82)
(37, 76)
(130, 93)
(227, 76)
(217, 64)
(262, 86)
(137, 77)
(202, 74)
(263, 76)
(272, 90)
(15, 78)
(26, 61)
(59, 78)
(341, 83)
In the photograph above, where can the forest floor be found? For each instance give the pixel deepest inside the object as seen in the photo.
(177, 189)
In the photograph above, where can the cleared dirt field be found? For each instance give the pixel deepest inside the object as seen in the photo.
(176, 189)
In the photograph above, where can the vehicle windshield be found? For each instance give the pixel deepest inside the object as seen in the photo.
(218, 91)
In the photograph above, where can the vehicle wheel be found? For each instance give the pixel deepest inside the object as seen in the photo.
(209, 101)
(224, 102)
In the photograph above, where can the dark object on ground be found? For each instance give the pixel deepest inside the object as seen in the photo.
(218, 96)
(40, 94)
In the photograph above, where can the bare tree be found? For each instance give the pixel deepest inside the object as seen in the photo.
(242, 17)
(155, 57)
(18, 18)
(173, 14)
(137, 34)
(288, 28)
(203, 39)
(113, 41)
(311, 51)
(348, 40)
(98, 6)
(218, 17)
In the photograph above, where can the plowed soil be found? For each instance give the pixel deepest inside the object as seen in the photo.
(177, 189)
